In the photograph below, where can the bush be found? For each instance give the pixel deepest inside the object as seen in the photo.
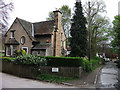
(19, 53)
(30, 60)
(64, 61)
(7, 59)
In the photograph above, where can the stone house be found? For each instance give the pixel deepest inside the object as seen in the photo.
(45, 38)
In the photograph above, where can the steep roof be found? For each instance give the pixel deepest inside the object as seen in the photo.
(45, 27)
(27, 27)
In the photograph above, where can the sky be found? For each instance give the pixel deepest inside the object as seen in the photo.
(37, 10)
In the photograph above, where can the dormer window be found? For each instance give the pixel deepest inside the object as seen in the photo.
(12, 34)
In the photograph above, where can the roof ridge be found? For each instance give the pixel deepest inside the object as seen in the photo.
(43, 21)
(23, 20)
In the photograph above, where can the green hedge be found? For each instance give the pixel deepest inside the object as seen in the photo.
(7, 59)
(64, 61)
(56, 61)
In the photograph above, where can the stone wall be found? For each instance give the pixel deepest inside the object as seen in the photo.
(31, 70)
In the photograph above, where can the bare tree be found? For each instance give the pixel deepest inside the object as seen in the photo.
(5, 9)
(4, 14)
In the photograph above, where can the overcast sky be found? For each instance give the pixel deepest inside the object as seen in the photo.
(37, 10)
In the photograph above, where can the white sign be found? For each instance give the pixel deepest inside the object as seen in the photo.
(55, 69)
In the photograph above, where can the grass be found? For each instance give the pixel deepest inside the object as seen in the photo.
(2, 54)
(54, 78)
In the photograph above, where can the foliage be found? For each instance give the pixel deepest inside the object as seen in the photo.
(100, 25)
(54, 78)
(20, 52)
(73, 62)
(93, 64)
(66, 18)
(7, 59)
(116, 35)
(79, 33)
(64, 61)
(30, 60)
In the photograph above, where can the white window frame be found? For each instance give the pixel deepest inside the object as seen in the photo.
(7, 51)
(21, 40)
(26, 48)
(12, 34)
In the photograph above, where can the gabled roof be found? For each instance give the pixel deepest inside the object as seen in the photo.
(40, 28)
(27, 27)
(45, 27)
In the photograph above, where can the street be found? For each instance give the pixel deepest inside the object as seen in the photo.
(108, 77)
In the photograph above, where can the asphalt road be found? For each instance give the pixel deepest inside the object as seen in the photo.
(109, 76)
(10, 81)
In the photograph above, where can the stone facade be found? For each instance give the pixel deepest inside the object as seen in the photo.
(42, 38)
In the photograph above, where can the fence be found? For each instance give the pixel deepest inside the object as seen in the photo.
(32, 70)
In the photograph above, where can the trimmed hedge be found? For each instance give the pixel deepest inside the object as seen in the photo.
(56, 61)
(64, 61)
(7, 59)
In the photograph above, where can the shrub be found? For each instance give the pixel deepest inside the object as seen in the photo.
(19, 52)
(30, 60)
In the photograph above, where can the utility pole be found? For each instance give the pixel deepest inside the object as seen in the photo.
(89, 53)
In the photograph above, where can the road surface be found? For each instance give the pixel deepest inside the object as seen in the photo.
(10, 81)
(109, 77)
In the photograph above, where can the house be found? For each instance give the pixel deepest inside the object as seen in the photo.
(45, 38)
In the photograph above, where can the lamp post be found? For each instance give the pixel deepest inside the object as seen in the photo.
(89, 26)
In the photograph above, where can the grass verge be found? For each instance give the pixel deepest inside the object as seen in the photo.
(54, 78)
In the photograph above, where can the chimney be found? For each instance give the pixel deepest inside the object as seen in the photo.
(57, 18)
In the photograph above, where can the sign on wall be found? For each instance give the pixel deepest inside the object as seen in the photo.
(55, 69)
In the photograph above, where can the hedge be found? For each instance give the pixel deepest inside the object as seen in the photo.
(7, 59)
(64, 61)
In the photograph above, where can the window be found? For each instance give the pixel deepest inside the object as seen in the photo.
(8, 51)
(26, 49)
(14, 49)
(22, 40)
(12, 34)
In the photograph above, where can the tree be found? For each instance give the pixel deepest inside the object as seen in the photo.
(116, 35)
(4, 14)
(100, 25)
(66, 18)
(79, 33)
(99, 33)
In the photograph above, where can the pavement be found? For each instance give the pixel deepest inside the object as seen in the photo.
(87, 80)
(10, 81)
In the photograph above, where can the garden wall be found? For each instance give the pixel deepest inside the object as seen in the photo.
(32, 70)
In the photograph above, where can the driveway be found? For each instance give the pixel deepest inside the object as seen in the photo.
(10, 81)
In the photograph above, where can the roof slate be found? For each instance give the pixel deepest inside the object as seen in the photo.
(45, 27)
(28, 28)
(40, 28)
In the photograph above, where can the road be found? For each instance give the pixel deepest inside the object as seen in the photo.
(10, 81)
(109, 77)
